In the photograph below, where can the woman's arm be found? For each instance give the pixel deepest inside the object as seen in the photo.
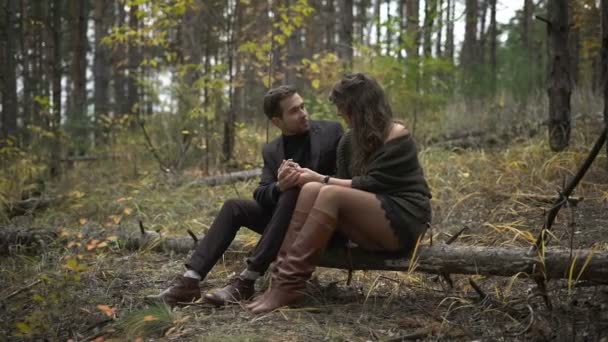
(308, 175)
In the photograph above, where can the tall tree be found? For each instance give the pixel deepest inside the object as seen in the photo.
(438, 41)
(560, 84)
(469, 55)
(493, 33)
(412, 29)
(9, 82)
(604, 10)
(430, 12)
(118, 58)
(449, 31)
(133, 60)
(330, 25)
(55, 25)
(346, 32)
(77, 114)
(103, 11)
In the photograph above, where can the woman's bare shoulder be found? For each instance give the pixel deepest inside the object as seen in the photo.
(397, 130)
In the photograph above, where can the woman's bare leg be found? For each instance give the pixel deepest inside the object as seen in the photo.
(360, 217)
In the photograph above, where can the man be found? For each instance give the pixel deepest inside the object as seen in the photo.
(303, 143)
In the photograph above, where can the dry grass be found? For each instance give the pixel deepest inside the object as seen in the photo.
(477, 188)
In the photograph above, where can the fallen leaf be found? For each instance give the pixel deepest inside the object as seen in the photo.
(150, 318)
(82, 221)
(127, 211)
(106, 309)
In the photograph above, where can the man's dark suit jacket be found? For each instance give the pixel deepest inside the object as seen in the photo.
(324, 138)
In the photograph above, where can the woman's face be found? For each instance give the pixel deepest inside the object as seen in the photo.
(346, 117)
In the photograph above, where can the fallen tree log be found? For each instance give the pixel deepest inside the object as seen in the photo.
(589, 265)
(232, 177)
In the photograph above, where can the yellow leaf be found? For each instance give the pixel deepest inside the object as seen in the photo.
(82, 221)
(23, 327)
(76, 194)
(316, 84)
(106, 309)
(150, 318)
(112, 238)
(102, 245)
(127, 211)
(116, 218)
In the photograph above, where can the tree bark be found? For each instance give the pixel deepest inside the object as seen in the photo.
(449, 32)
(469, 55)
(77, 114)
(101, 62)
(559, 89)
(57, 72)
(604, 57)
(412, 29)
(430, 12)
(9, 91)
(330, 26)
(493, 54)
(438, 41)
(134, 60)
(119, 62)
(346, 33)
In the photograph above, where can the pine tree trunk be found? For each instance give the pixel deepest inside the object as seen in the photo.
(118, 66)
(346, 33)
(493, 43)
(27, 35)
(449, 32)
(430, 11)
(378, 22)
(330, 26)
(134, 59)
(560, 85)
(9, 91)
(469, 55)
(55, 60)
(438, 45)
(412, 29)
(101, 62)
(604, 10)
(77, 114)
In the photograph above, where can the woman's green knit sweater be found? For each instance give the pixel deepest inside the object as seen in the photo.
(394, 174)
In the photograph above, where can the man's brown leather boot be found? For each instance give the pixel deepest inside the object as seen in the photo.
(182, 290)
(288, 283)
(236, 290)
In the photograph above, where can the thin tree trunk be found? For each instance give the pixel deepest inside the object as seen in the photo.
(77, 115)
(378, 23)
(412, 29)
(9, 93)
(482, 33)
(118, 66)
(493, 54)
(604, 70)
(389, 31)
(470, 54)
(346, 33)
(559, 89)
(230, 121)
(430, 11)
(56, 62)
(449, 32)
(330, 26)
(101, 66)
(27, 35)
(134, 59)
(440, 15)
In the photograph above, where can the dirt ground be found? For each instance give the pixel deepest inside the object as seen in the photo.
(99, 296)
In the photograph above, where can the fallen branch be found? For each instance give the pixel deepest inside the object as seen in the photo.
(232, 177)
(18, 291)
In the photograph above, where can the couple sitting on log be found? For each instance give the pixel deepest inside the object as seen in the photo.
(377, 199)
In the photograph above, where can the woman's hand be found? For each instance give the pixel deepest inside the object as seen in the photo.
(308, 175)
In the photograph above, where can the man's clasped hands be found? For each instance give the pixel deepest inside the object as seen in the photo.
(291, 174)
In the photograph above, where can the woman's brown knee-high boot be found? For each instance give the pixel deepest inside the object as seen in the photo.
(295, 268)
(295, 225)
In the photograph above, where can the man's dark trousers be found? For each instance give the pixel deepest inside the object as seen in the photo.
(237, 213)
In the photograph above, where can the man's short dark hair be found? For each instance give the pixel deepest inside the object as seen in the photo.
(273, 98)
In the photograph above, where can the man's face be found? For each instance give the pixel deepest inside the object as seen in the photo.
(294, 118)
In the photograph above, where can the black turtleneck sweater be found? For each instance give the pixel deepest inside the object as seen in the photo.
(297, 147)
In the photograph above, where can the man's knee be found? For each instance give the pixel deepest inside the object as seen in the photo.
(233, 207)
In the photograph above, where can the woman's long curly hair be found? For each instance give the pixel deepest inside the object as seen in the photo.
(362, 98)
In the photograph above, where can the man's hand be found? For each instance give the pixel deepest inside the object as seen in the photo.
(288, 175)
(308, 175)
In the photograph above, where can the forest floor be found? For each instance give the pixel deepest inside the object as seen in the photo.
(93, 290)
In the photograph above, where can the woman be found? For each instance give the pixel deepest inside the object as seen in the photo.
(381, 202)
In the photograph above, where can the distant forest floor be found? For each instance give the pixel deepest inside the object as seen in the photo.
(90, 289)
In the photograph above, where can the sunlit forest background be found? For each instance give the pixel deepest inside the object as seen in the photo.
(115, 112)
